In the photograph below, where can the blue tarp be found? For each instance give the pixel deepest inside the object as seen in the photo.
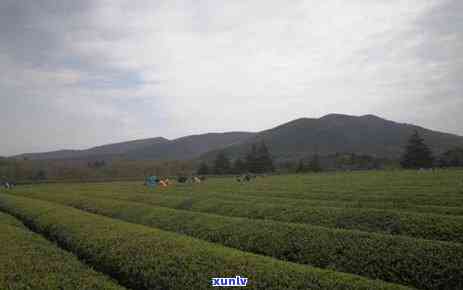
(151, 181)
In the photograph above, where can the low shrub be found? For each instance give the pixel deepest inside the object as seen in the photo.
(420, 263)
(145, 258)
(6, 219)
(28, 261)
(416, 225)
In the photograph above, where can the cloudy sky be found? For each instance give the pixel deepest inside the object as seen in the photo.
(76, 74)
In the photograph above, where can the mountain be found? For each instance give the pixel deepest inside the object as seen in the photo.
(189, 147)
(300, 138)
(184, 148)
(104, 151)
(335, 133)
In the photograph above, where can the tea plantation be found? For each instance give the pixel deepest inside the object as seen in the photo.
(350, 230)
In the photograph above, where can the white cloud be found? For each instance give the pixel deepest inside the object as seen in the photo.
(148, 68)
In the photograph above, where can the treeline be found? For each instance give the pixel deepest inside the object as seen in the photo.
(257, 160)
(313, 165)
(418, 154)
(451, 158)
(335, 162)
(89, 170)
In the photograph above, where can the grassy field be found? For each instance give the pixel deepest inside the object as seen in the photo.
(351, 230)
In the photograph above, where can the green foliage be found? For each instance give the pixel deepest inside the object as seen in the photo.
(357, 216)
(436, 192)
(203, 169)
(341, 133)
(417, 154)
(379, 257)
(352, 161)
(426, 204)
(322, 213)
(28, 261)
(314, 164)
(40, 175)
(251, 159)
(426, 226)
(259, 160)
(147, 258)
(452, 158)
(264, 159)
(239, 167)
(6, 219)
(222, 164)
(301, 167)
(81, 170)
(97, 164)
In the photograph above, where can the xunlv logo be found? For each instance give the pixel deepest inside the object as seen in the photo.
(229, 282)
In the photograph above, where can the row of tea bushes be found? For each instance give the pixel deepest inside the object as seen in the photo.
(416, 225)
(28, 261)
(6, 219)
(420, 263)
(145, 258)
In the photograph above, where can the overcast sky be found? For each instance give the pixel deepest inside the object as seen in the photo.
(75, 74)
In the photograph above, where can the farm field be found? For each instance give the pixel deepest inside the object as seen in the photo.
(350, 230)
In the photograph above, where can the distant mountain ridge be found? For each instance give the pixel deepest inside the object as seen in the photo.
(337, 133)
(109, 150)
(159, 148)
(189, 147)
(333, 133)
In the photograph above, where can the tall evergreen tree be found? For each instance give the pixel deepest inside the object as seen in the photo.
(264, 159)
(203, 169)
(417, 153)
(239, 167)
(222, 164)
(300, 167)
(251, 160)
(314, 164)
(259, 160)
(40, 175)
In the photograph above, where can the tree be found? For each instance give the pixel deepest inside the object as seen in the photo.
(203, 169)
(251, 160)
(314, 164)
(287, 166)
(300, 167)
(417, 154)
(264, 159)
(96, 164)
(40, 175)
(222, 164)
(259, 160)
(452, 158)
(239, 166)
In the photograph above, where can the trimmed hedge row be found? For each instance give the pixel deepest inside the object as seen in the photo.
(6, 219)
(421, 196)
(425, 226)
(433, 188)
(416, 225)
(145, 258)
(230, 190)
(420, 263)
(353, 203)
(28, 261)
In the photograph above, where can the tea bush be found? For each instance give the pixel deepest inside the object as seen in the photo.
(145, 258)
